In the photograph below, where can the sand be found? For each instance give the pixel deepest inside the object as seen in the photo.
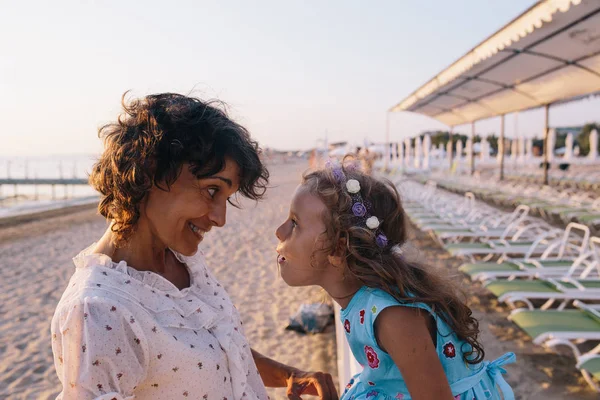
(36, 264)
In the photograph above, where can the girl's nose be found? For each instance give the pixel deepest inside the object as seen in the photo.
(279, 233)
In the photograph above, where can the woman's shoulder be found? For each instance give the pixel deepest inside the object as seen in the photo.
(96, 280)
(93, 285)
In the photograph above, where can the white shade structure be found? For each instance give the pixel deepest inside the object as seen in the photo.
(521, 151)
(544, 56)
(426, 151)
(418, 149)
(484, 150)
(593, 154)
(469, 149)
(547, 55)
(514, 150)
(551, 144)
(407, 151)
(569, 147)
(529, 148)
(401, 153)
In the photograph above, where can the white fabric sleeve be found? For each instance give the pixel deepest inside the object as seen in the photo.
(100, 351)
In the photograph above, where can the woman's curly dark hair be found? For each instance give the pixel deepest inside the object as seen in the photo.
(385, 268)
(152, 139)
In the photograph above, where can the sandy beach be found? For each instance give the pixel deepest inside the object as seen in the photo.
(36, 264)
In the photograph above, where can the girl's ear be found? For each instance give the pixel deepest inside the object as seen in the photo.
(339, 254)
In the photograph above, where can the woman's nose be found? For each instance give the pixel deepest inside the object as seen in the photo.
(218, 214)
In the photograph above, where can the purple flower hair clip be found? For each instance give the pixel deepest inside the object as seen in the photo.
(359, 209)
(381, 240)
(353, 166)
(338, 175)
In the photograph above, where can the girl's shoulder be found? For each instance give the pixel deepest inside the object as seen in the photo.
(380, 299)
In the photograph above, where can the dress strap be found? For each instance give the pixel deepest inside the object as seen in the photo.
(495, 371)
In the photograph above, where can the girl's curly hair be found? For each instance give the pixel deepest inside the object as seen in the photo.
(386, 268)
(152, 139)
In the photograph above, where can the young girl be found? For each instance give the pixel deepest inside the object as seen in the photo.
(405, 324)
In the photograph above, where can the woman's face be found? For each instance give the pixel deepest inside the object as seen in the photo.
(179, 218)
(300, 238)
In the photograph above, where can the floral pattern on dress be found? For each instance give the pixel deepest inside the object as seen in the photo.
(372, 358)
(449, 350)
(347, 326)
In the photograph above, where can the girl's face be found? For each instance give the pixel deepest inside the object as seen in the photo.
(179, 218)
(300, 238)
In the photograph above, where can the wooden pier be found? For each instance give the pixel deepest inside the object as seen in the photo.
(53, 182)
(42, 181)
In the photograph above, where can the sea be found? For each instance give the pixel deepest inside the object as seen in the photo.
(25, 199)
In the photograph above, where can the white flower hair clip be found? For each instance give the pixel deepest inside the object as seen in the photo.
(359, 207)
(372, 222)
(353, 186)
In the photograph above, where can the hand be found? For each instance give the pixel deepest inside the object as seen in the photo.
(313, 383)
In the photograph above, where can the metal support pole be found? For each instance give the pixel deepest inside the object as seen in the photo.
(501, 147)
(545, 145)
(471, 154)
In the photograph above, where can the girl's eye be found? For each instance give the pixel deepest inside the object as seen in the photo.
(294, 223)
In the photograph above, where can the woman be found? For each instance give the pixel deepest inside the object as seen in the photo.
(142, 316)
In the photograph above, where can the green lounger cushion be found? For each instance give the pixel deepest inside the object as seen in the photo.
(466, 246)
(537, 322)
(549, 264)
(501, 287)
(592, 366)
(588, 218)
(499, 244)
(458, 231)
(477, 268)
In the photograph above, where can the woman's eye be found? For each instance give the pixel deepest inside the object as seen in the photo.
(212, 192)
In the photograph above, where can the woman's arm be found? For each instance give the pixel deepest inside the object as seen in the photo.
(98, 353)
(297, 382)
(403, 334)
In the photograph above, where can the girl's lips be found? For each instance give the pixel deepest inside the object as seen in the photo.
(280, 259)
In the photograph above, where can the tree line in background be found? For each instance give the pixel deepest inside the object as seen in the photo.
(582, 139)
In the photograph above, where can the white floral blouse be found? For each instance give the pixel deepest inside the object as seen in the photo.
(121, 334)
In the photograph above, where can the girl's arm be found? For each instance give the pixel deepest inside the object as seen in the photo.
(275, 374)
(402, 332)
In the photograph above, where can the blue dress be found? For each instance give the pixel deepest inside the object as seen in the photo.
(381, 379)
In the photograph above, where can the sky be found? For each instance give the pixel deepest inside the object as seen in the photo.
(292, 72)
